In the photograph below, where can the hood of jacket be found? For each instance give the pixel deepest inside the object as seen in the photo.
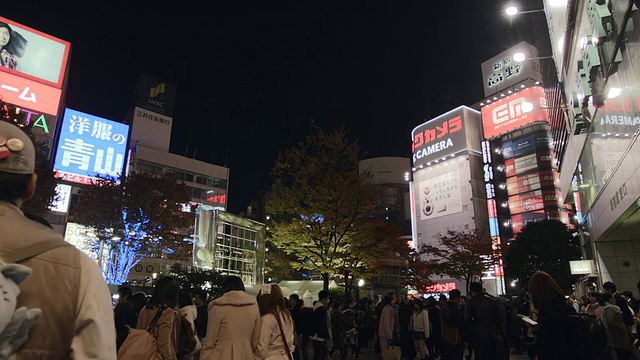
(235, 298)
(190, 311)
(317, 305)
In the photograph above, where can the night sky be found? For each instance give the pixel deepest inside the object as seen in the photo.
(253, 74)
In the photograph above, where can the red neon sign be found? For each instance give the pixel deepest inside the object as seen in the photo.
(29, 94)
(440, 287)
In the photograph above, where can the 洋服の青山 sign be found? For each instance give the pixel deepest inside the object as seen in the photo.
(90, 146)
(507, 114)
(439, 137)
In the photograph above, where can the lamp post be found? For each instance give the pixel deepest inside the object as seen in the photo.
(360, 284)
(513, 11)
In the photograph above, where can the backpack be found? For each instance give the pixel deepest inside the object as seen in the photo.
(187, 342)
(587, 337)
(141, 344)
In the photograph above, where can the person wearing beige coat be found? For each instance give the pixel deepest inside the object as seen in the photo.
(234, 324)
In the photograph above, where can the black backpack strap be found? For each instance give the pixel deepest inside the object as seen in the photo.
(153, 322)
(33, 250)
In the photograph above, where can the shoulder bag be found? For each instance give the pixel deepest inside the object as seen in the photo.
(284, 338)
(141, 344)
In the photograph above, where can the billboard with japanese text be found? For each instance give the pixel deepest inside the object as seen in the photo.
(150, 129)
(31, 54)
(29, 94)
(502, 72)
(440, 195)
(507, 113)
(90, 146)
(439, 137)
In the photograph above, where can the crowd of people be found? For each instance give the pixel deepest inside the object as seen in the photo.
(38, 266)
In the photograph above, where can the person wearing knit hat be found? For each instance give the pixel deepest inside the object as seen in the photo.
(67, 285)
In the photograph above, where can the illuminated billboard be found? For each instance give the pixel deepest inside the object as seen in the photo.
(90, 146)
(502, 72)
(31, 54)
(40, 125)
(442, 136)
(150, 129)
(507, 113)
(29, 94)
(440, 195)
(155, 95)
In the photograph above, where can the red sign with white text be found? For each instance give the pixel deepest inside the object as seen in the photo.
(440, 288)
(507, 114)
(29, 94)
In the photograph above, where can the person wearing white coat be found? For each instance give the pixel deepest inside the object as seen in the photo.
(419, 326)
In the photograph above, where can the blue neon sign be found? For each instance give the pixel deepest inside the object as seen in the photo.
(89, 146)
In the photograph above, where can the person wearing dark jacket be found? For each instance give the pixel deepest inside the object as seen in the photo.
(452, 347)
(124, 315)
(486, 324)
(553, 340)
(201, 304)
(322, 329)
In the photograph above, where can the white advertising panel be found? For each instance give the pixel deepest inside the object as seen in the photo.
(63, 196)
(151, 129)
(440, 195)
(581, 267)
(83, 238)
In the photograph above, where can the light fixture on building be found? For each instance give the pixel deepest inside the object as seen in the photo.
(520, 57)
(614, 92)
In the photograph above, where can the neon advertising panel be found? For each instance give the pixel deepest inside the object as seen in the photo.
(438, 137)
(90, 146)
(29, 94)
(507, 114)
(31, 54)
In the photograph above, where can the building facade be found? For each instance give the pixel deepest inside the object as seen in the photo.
(600, 72)
(393, 175)
(447, 188)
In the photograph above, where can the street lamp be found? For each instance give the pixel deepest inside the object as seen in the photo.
(361, 283)
(520, 57)
(513, 11)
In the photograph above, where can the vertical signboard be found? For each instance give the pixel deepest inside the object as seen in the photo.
(90, 146)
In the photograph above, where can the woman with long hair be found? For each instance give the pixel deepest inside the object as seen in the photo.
(389, 327)
(12, 45)
(276, 329)
(234, 324)
(163, 300)
(553, 312)
(420, 328)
